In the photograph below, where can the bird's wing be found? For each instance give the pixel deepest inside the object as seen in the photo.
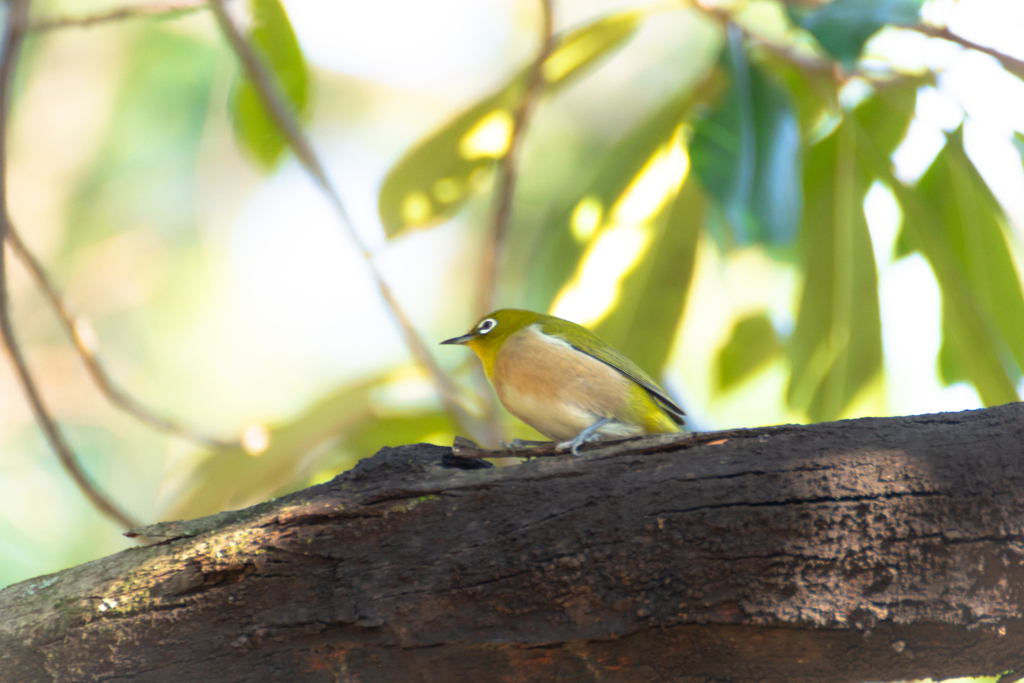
(587, 342)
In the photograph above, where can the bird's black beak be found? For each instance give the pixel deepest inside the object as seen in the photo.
(460, 340)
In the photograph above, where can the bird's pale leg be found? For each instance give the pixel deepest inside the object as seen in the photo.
(588, 434)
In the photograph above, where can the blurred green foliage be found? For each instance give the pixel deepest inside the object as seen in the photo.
(560, 250)
(753, 343)
(644, 323)
(144, 173)
(843, 26)
(747, 152)
(836, 347)
(434, 179)
(272, 35)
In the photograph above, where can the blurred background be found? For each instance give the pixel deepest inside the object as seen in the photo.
(815, 214)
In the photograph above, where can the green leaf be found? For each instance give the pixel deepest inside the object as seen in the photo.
(972, 221)
(844, 26)
(837, 342)
(815, 94)
(271, 34)
(978, 349)
(434, 179)
(651, 302)
(886, 116)
(747, 153)
(752, 345)
(231, 478)
(950, 364)
(566, 234)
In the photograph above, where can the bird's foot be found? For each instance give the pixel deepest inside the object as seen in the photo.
(587, 435)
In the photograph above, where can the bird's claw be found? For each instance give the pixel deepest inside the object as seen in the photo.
(586, 436)
(572, 446)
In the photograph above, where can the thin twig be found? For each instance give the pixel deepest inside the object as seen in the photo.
(805, 62)
(1011, 64)
(14, 33)
(789, 53)
(507, 173)
(508, 168)
(164, 10)
(634, 445)
(119, 397)
(276, 106)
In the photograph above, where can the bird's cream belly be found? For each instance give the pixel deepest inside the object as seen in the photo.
(558, 390)
(558, 419)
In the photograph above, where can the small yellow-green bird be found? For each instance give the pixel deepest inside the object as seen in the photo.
(563, 381)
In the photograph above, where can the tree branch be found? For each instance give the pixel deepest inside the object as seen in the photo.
(169, 10)
(277, 108)
(508, 169)
(860, 550)
(14, 34)
(1011, 64)
(117, 396)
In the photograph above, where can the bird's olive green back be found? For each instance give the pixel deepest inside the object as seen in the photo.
(512, 320)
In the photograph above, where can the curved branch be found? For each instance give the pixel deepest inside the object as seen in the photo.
(170, 10)
(1011, 64)
(508, 171)
(115, 394)
(508, 168)
(277, 108)
(14, 34)
(861, 550)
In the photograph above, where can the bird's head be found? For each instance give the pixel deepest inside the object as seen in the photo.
(491, 331)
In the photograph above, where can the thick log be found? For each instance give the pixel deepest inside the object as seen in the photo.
(874, 549)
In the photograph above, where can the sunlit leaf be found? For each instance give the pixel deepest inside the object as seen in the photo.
(747, 152)
(836, 345)
(971, 220)
(903, 245)
(433, 180)
(837, 342)
(978, 348)
(650, 307)
(566, 234)
(581, 47)
(885, 117)
(272, 35)
(231, 478)
(815, 93)
(975, 338)
(752, 344)
(844, 26)
(952, 218)
(949, 362)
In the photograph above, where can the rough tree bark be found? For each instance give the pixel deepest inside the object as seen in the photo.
(875, 549)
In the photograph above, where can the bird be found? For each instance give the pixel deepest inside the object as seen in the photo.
(565, 382)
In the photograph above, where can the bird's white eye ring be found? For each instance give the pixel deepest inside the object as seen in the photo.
(486, 325)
